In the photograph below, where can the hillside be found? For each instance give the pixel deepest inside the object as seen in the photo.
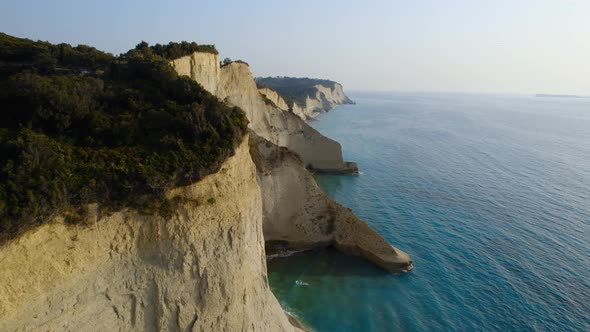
(80, 126)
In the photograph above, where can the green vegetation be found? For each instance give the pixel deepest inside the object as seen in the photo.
(178, 50)
(228, 61)
(78, 125)
(294, 89)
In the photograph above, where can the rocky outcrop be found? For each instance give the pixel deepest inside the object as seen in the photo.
(298, 215)
(202, 269)
(236, 86)
(274, 96)
(334, 96)
(201, 67)
(324, 99)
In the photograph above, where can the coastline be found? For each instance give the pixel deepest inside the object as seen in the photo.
(469, 221)
(262, 193)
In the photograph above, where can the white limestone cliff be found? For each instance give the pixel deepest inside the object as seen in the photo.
(274, 96)
(298, 215)
(200, 66)
(324, 99)
(335, 96)
(202, 269)
(295, 211)
(236, 86)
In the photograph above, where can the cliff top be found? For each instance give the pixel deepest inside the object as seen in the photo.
(172, 50)
(79, 125)
(228, 61)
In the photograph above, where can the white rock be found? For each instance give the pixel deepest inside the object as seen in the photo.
(202, 270)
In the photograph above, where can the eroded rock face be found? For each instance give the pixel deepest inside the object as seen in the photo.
(203, 269)
(325, 99)
(273, 96)
(201, 67)
(334, 96)
(236, 86)
(298, 215)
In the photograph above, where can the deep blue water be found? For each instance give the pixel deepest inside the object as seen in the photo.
(490, 195)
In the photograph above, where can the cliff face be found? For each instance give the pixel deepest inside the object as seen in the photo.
(236, 86)
(324, 100)
(334, 96)
(201, 67)
(273, 96)
(203, 269)
(298, 215)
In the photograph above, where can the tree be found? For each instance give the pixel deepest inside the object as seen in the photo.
(142, 46)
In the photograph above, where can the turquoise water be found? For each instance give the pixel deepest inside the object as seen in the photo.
(490, 195)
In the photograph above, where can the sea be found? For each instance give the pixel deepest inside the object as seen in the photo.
(489, 195)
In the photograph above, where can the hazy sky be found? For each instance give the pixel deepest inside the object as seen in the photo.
(517, 46)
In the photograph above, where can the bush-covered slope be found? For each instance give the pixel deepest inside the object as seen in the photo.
(78, 125)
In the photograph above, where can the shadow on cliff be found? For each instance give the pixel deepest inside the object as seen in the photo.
(325, 262)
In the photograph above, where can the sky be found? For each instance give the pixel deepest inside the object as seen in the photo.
(501, 46)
